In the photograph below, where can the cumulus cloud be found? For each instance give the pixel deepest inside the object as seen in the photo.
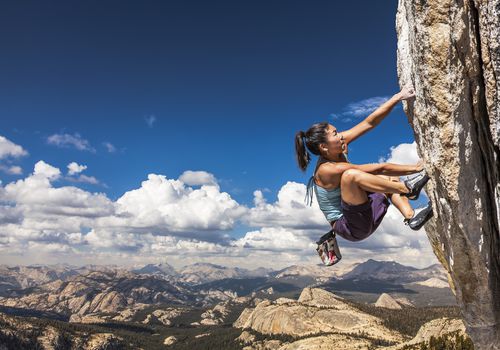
(197, 178)
(75, 168)
(10, 214)
(12, 170)
(405, 153)
(39, 199)
(34, 210)
(47, 171)
(109, 239)
(10, 149)
(177, 207)
(70, 141)
(165, 217)
(359, 109)
(289, 211)
(84, 179)
(276, 239)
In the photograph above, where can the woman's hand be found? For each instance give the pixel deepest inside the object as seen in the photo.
(419, 166)
(406, 93)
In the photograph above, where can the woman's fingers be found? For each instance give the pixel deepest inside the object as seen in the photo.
(407, 92)
(420, 165)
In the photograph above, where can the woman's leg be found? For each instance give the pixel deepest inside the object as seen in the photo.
(355, 183)
(402, 203)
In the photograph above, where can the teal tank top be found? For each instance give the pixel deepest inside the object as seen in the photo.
(328, 200)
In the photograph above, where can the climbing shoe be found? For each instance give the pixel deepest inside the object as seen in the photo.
(328, 249)
(418, 220)
(415, 185)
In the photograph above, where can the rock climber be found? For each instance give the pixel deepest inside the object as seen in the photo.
(354, 198)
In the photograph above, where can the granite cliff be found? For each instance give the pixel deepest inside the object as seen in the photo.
(450, 52)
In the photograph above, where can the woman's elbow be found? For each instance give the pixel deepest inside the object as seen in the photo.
(381, 169)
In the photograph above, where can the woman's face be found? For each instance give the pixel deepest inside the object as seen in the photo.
(335, 141)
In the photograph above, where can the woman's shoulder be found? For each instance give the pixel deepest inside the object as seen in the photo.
(327, 176)
(330, 168)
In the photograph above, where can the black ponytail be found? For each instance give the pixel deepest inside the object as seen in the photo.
(303, 157)
(311, 139)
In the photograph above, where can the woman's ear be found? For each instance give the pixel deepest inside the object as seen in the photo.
(323, 147)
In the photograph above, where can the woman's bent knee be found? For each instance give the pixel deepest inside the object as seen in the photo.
(350, 176)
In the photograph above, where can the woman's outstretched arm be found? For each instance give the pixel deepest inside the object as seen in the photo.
(377, 116)
(389, 169)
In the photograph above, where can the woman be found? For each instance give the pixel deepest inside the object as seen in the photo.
(354, 198)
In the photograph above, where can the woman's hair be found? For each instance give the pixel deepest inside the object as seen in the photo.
(312, 138)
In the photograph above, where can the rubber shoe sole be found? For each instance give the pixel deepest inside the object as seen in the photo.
(421, 218)
(415, 186)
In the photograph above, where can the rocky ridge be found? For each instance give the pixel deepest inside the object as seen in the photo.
(99, 292)
(321, 320)
(19, 333)
(315, 311)
(385, 300)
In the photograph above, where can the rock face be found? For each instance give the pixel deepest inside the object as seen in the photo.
(216, 315)
(316, 311)
(437, 328)
(21, 333)
(433, 283)
(385, 300)
(450, 52)
(170, 340)
(99, 292)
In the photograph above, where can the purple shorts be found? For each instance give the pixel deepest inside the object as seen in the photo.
(360, 221)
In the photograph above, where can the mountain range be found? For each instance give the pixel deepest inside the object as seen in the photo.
(147, 298)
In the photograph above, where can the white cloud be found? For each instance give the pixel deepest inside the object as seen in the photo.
(84, 179)
(49, 247)
(176, 207)
(169, 218)
(364, 107)
(10, 215)
(288, 211)
(405, 153)
(38, 198)
(122, 241)
(12, 170)
(276, 239)
(10, 149)
(75, 168)
(359, 109)
(67, 140)
(197, 178)
(38, 211)
(47, 171)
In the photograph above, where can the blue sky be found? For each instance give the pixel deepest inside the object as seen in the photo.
(219, 87)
